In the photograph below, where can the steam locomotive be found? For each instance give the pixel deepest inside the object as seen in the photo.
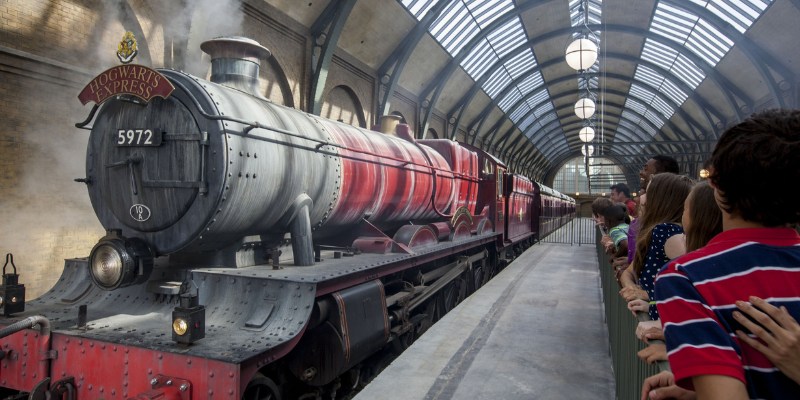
(255, 251)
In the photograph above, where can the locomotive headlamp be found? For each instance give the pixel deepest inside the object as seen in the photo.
(116, 262)
(189, 317)
(180, 326)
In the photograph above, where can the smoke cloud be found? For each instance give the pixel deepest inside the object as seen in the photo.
(194, 21)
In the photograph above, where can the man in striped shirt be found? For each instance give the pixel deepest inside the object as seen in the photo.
(757, 254)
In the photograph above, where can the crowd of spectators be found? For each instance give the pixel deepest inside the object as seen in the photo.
(715, 265)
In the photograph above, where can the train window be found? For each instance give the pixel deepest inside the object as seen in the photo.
(488, 168)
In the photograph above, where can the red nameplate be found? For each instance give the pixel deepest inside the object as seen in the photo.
(136, 80)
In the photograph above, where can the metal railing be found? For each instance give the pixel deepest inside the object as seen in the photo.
(629, 370)
(579, 231)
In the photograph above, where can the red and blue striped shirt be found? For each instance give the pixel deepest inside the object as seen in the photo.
(696, 295)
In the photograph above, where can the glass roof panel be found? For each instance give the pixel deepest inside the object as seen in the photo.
(418, 8)
(640, 124)
(685, 28)
(454, 28)
(531, 83)
(545, 142)
(740, 14)
(538, 98)
(669, 59)
(496, 82)
(539, 112)
(521, 110)
(479, 59)
(664, 85)
(577, 17)
(512, 97)
(520, 64)
(652, 99)
(486, 11)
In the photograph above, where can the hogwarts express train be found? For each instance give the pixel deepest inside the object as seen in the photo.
(255, 251)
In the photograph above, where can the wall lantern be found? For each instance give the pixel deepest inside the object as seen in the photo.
(586, 134)
(581, 54)
(584, 108)
(704, 173)
(587, 150)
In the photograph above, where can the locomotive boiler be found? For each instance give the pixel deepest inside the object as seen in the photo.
(254, 250)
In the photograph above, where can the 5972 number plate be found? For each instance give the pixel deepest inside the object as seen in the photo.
(138, 137)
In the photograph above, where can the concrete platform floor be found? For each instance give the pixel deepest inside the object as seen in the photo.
(535, 331)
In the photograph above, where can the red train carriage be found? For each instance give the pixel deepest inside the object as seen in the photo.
(255, 250)
(556, 209)
(521, 195)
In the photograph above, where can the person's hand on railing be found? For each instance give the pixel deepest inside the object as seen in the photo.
(619, 264)
(780, 333)
(607, 243)
(630, 293)
(646, 326)
(653, 333)
(638, 305)
(652, 353)
(661, 386)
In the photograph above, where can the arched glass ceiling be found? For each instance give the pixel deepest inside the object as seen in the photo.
(463, 20)
(460, 22)
(696, 35)
(506, 68)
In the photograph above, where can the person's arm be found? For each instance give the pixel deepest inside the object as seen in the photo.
(780, 333)
(700, 350)
(628, 278)
(719, 387)
(675, 246)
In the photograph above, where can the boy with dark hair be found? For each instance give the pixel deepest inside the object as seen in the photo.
(620, 193)
(757, 254)
(656, 165)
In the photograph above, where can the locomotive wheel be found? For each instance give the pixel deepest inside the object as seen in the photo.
(453, 294)
(477, 279)
(405, 340)
(427, 322)
(261, 388)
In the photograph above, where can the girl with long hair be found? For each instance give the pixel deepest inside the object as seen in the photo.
(660, 236)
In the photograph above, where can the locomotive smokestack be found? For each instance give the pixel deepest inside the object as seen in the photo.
(235, 62)
(389, 124)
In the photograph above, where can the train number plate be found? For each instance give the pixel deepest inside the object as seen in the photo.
(138, 137)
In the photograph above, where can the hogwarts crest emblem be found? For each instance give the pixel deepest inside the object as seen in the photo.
(127, 49)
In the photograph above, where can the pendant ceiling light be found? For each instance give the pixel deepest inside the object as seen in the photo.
(581, 54)
(586, 134)
(584, 108)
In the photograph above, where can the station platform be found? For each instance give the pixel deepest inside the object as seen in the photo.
(535, 331)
